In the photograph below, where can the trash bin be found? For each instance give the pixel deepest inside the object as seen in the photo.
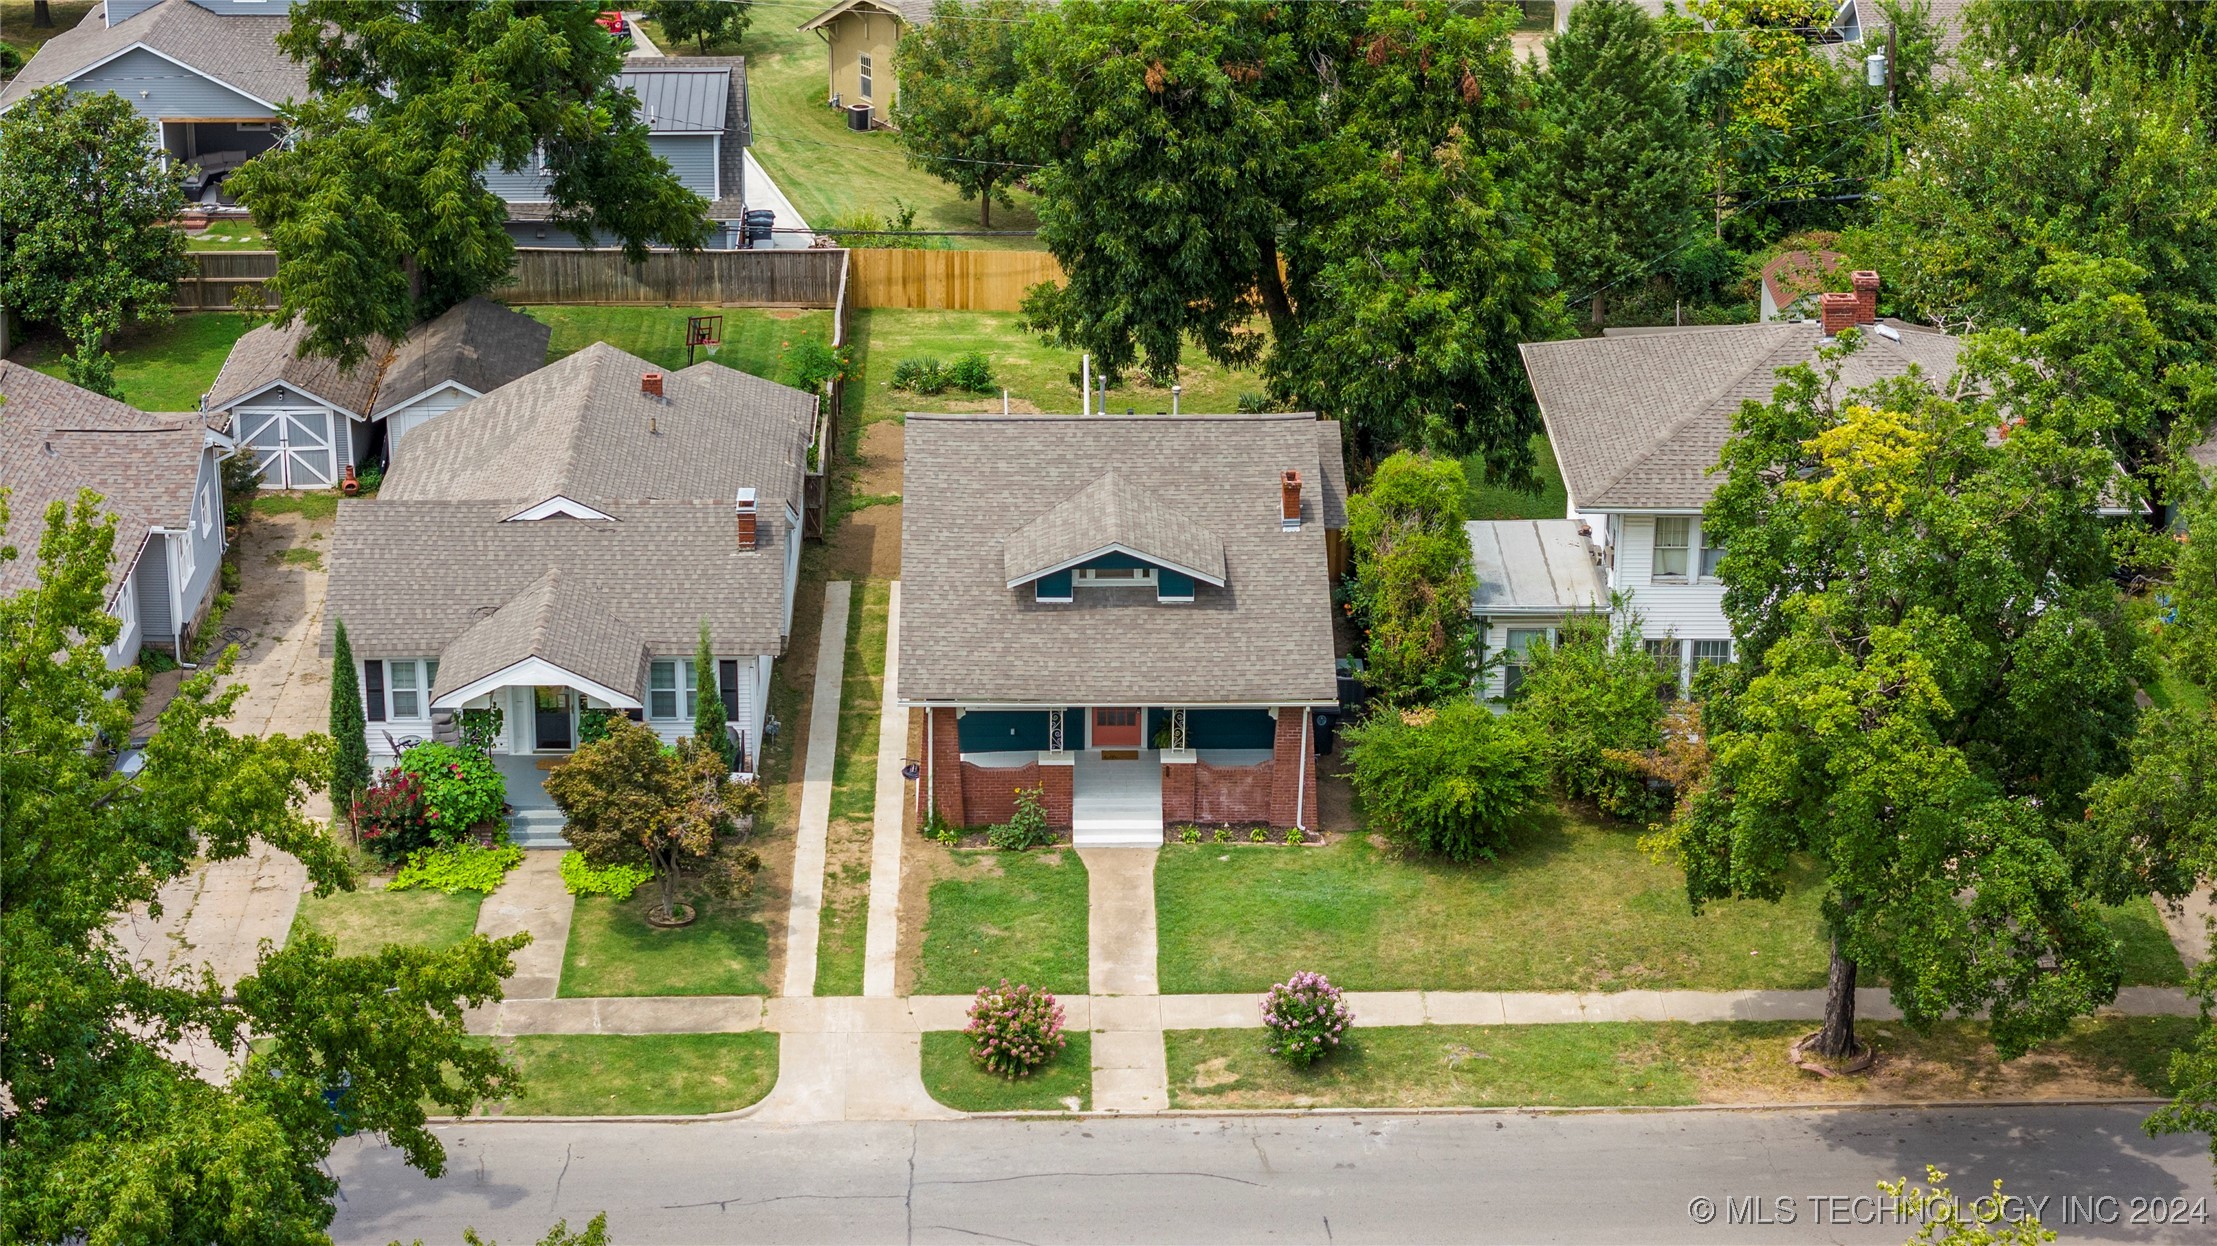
(858, 116)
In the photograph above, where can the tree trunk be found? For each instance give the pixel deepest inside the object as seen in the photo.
(1836, 1041)
(1598, 300)
(985, 206)
(42, 13)
(665, 877)
(1274, 300)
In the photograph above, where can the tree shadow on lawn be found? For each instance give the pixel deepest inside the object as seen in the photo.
(614, 952)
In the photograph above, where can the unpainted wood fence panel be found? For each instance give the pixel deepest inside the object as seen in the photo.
(950, 280)
(766, 278)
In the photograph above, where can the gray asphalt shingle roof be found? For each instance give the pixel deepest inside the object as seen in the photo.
(1637, 420)
(239, 52)
(267, 355)
(556, 619)
(478, 343)
(971, 483)
(1112, 511)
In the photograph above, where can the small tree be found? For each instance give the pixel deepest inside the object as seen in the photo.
(350, 768)
(85, 202)
(709, 715)
(959, 77)
(1450, 780)
(1593, 692)
(705, 22)
(629, 800)
(1413, 579)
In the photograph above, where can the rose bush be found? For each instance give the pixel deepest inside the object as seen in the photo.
(1306, 1018)
(1014, 1029)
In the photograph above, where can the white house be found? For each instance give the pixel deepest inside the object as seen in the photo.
(1638, 418)
(159, 475)
(549, 553)
(1532, 575)
(307, 420)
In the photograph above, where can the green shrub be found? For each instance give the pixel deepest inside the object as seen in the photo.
(155, 662)
(971, 372)
(458, 867)
(388, 817)
(1294, 837)
(921, 376)
(462, 789)
(242, 479)
(1593, 692)
(1014, 1029)
(1252, 403)
(1189, 834)
(619, 881)
(1223, 835)
(1413, 580)
(592, 723)
(1026, 828)
(1451, 779)
(479, 729)
(810, 362)
(1259, 835)
(1306, 1017)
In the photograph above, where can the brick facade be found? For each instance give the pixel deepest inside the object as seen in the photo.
(1237, 794)
(943, 768)
(989, 793)
(1293, 786)
(1057, 793)
(1177, 792)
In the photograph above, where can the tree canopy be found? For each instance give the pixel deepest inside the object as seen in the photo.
(630, 800)
(1413, 580)
(85, 206)
(109, 1134)
(959, 75)
(378, 206)
(705, 22)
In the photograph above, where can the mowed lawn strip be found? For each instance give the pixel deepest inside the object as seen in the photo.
(1655, 1064)
(363, 922)
(2144, 944)
(640, 1074)
(844, 923)
(755, 338)
(953, 1078)
(159, 367)
(613, 951)
(1014, 915)
(1038, 377)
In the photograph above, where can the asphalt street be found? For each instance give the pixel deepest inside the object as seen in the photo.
(1732, 1177)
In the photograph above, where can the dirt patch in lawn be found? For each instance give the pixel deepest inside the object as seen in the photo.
(2102, 1058)
(867, 543)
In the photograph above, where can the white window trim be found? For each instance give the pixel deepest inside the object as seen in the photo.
(1656, 548)
(865, 75)
(422, 673)
(1114, 577)
(683, 694)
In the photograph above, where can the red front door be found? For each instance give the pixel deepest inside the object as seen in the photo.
(1116, 728)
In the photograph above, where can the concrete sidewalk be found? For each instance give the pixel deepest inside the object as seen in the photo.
(804, 916)
(532, 900)
(881, 943)
(1130, 1071)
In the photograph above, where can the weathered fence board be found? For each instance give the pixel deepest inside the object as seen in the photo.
(218, 276)
(950, 280)
(733, 278)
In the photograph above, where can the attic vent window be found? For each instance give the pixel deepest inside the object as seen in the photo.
(1115, 577)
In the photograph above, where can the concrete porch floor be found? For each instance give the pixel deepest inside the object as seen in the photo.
(1116, 802)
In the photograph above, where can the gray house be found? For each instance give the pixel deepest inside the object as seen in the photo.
(548, 554)
(157, 474)
(307, 420)
(207, 72)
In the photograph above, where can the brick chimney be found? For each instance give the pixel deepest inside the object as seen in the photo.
(1866, 297)
(744, 509)
(651, 384)
(1837, 309)
(1289, 501)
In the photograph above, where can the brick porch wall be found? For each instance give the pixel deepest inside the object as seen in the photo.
(989, 793)
(1057, 794)
(1177, 792)
(944, 768)
(1232, 793)
(1293, 787)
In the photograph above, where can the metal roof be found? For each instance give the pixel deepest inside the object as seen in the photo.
(1533, 566)
(679, 99)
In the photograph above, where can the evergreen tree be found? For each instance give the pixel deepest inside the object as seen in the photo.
(708, 702)
(350, 768)
(1615, 175)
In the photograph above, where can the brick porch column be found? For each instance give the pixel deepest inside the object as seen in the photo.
(1057, 787)
(1293, 770)
(1177, 785)
(943, 775)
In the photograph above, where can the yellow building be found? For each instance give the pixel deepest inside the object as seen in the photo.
(860, 36)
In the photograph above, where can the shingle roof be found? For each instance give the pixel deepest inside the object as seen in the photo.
(1793, 275)
(56, 439)
(914, 12)
(478, 343)
(266, 356)
(1538, 565)
(972, 482)
(239, 52)
(1111, 511)
(429, 558)
(555, 619)
(1637, 420)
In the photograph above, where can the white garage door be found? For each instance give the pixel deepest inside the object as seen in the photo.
(293, 447)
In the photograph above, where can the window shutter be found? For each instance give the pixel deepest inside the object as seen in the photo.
(727, 682)
(373, 690)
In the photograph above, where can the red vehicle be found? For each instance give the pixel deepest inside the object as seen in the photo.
(614, 23)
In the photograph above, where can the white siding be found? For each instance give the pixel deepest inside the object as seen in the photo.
(400, 421)
(1690, 611)
(125, 649)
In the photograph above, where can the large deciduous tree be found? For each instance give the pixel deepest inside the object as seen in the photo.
(110, 1136)
(1614, 174)
(1334, 171)
(705, 22)
(1935, 668)
(85, 206)
(1413, 579)
(2072, 38)
(378, 205)
(959, 75)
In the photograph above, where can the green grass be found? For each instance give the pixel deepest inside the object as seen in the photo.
(159, 367)
(844, 923)
(1495, 501)
(363, 922)
(641, 1074)
(2150, 958)
(16, 28)
(1065, 1085)
(829, 171)
(1044, 377)
(228, 236)
(754, 338)
(1618, 1064)
(2173, 691)
(300, 557)
(613, 951)
(1014, 915)
(311, 504)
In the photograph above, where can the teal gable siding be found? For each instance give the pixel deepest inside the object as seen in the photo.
(170, 91)
(1230, 729)
(1173, 585)
(1054, 587)
(692, 157)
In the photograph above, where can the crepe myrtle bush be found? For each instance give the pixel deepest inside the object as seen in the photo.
(1014, 1030)
(1306, 1017)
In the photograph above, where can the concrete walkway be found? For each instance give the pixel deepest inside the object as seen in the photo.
(803, 919)
(532, 900)
(1130, 1073)
(2190, 922)
(852, 1059)
(881, 943)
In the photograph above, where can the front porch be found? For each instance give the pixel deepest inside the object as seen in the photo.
(535, 822)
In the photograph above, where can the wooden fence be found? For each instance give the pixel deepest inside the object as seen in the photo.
(950, 280)
(830, 406)
(218, 277)
(764, 278)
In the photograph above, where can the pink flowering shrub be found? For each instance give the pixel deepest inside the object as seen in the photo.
(1014, 1029)
(1306, 1017)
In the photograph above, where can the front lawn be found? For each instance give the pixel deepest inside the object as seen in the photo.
(1014, 915)
(613, 951)
(640, 1074)
(1038, 377)
(159, 367)
(953, 1078)
(843, 925)
(362, 922)
(2150, 958)
(1642, 1063)
(755, 338)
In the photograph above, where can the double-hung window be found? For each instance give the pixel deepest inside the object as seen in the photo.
(1711, 653)
(1673, 533)
(1711, 554)
(398, 688)
(1520, 642)
(862, 76)
(1669, 655)
(670, 688)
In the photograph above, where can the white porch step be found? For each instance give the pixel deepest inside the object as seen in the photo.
(1116, 833)
(537, 828)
